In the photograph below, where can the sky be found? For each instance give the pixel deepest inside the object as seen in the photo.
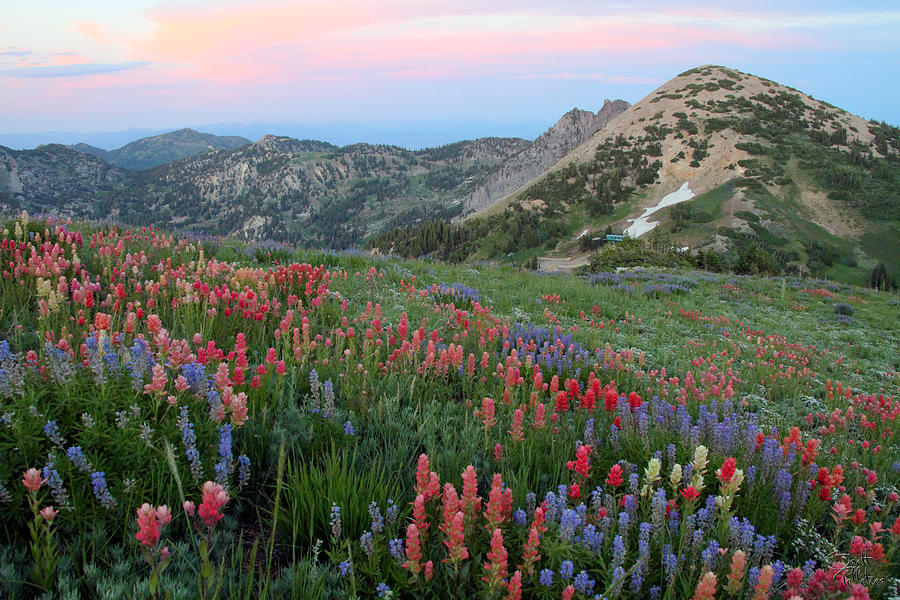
(441, 69)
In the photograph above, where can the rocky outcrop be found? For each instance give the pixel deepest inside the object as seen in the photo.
(572, 129)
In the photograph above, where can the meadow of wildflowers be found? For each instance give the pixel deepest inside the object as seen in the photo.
(194, 418)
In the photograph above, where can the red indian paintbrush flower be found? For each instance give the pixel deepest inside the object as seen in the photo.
(690, 493)
(581, 464)
(727, 471)
(455, 542)
(615, 476)
(611, 399)
(413, 549)
(495, 565)
(514, 587)
(706, 589)
(214, 498)
(32, 480)
(529, 551)
(148, 525)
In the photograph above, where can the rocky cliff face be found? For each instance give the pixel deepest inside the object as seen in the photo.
(572, 129)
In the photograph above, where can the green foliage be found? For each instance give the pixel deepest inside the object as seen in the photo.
(754, 260)
(881, 279)
(313, 485)
(633, 252)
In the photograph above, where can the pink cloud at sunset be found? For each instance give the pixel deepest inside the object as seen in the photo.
(236, 59)
(260, 44)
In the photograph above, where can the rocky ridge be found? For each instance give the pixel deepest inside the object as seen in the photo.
(573, 128)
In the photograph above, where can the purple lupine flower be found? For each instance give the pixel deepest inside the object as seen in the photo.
(784, 504)
(225, 466)
(589, 437)
(189, 439)
(546, 578)
(110, 355)
(759, 548)
(60, 364)
(697, 540)
(328, 399)
(777, 572)
(684, 422)
(377, 519)
(752, 576)
(566, 569)
(568, 524)
(314, 390)
(710, 556)
(637, 582)
(345, 567)
(592, 539)
(771, 456)
(243, 470)
(617, 580)
(348, 429)
(215, 404)
(644, 530)
(658, 507)
(583, 584)
(520, 517)
(631, 503)
(383, 590)
(782, 483)
(396, 548)
(140, 363)
(687, 472)
(77, 458)
(366, 543)
(618, 551)
(809, 567)
(670, 562)
(51, 430)
(12, 373)
(101, 492)
(392, 511)
(674, 520)
(195, 375)
(695, 436)
(643, 425)
(551, 512)
(750, 477)
(581, 510)
(623, 524)
(335, 521)
(55, 483)
(654, 592)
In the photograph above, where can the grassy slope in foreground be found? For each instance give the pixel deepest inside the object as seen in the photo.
(347, 404)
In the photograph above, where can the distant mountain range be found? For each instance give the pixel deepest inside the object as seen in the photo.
(280, 187)
(150, 152)
(759, 166)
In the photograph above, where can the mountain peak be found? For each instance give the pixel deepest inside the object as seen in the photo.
(573, 128)
(769, 165)
(156, 150)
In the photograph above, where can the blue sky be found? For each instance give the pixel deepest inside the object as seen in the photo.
(102, 66)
